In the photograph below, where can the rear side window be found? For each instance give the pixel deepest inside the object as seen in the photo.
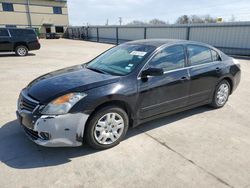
(8, 7)
(21, 32)
(215, 56)
(170, 58)
(4, 33)
(199, 54)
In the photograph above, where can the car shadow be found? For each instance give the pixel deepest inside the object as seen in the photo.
(9, 54)
(17, 151)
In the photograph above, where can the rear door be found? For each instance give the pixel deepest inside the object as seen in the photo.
(161, 94)
(205, 69)
(5, 40)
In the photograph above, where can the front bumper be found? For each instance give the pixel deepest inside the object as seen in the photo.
(54, 131)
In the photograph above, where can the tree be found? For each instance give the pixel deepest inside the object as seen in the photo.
(137, 22)
(151, 22)
(157, 22)
(232, 19)
(195, 19)
(209, 19)
(184, 19)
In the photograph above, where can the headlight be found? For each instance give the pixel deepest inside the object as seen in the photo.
(63, 104)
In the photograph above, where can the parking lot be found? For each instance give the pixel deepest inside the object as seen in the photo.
(197, 148)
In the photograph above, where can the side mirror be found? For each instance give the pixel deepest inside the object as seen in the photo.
(152, 72)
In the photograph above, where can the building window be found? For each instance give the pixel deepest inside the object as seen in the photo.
(57, 10)
(8, 7)
(59, 29)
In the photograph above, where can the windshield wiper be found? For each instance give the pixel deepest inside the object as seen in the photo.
(96, 70)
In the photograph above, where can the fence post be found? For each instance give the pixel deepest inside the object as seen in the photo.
(79, 33)
(117, 36)
(145, 33)
(188, 33)
(87, 32)
(97, 34)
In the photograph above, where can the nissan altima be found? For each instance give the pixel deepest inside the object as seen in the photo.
(125, 86)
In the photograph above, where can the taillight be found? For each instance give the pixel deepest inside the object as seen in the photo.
(236, 62)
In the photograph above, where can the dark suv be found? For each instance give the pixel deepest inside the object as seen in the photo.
(20, 41)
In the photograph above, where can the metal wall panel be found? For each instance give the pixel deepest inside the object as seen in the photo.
(231, 37)
(92, 32)
(127, 33)
(170, 32)
(107, 32)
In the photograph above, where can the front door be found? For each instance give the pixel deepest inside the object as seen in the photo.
(161, 94)
(5, 40)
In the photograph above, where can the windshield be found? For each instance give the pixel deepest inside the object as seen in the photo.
(121, 60)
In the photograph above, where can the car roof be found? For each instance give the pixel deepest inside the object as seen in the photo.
(16, 28)
(160, 42)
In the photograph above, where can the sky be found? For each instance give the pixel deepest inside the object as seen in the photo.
(97, 12)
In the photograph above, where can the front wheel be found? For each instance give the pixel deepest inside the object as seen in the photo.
(107, 127)
(221, 94)
(21, 50)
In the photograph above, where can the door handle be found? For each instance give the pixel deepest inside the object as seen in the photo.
(184, 78)
(218, 69)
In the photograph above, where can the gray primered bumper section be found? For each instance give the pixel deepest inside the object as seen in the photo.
(63, 129)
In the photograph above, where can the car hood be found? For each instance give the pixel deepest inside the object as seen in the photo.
(71, 79)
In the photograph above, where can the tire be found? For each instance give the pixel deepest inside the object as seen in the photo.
(99, 131)
(21, 50)
(221, 94)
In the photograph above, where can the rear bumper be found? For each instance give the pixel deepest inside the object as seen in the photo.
(237, 79)
(54, 131)
(34, 46)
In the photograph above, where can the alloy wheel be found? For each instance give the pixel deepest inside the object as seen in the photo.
(109, 128)
(21, 51)
(222, 94)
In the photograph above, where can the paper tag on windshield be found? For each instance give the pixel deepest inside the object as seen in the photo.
(138, 53)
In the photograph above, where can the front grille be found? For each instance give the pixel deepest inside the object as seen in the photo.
(26, 103)
(32, 134)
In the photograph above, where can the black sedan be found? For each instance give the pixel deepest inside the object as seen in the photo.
(125, 86)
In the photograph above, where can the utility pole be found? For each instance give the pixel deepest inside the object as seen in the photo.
(107, 22)
(120, 20)
(28, 13)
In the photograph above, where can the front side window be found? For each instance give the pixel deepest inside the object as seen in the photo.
(121, 60)
(8, 7)
(4, 33)
(57, 10)
(170, 58)
(199, 54)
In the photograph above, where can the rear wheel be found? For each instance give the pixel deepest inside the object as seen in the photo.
(107, 127)
(21, 50)
(221, 94)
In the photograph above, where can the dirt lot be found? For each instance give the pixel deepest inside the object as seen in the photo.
(197, 148)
